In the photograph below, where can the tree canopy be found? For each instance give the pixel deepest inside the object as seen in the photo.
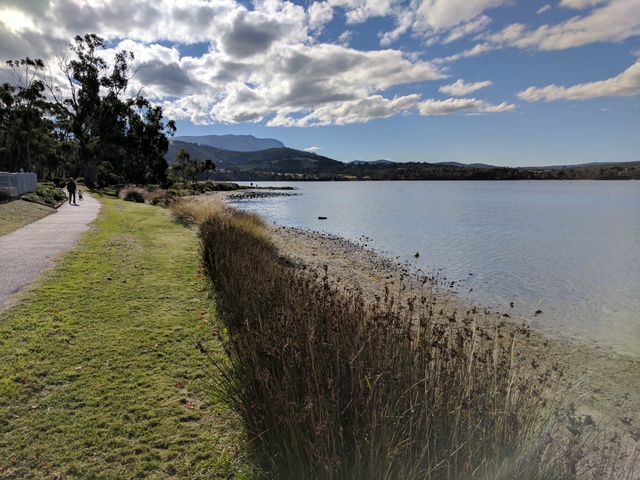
(93, 126)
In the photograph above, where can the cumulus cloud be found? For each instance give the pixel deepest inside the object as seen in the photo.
(264, 61)
(354, 111)
(358, 11)
(438, 15)
(319, 14)
(466, 105)
(460, 88)
(615, 21)
(625, 84)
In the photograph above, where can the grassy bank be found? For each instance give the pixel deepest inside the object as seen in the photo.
(331, 385)
(17, 214)
(99, 373)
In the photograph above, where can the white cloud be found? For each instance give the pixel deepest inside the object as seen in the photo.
(546, 8)
(478, 49)
(261, 64)
(359, 11)
(580, 4)
(625, 84)
(613, 22)
(456, 105)
(404, 20)
(319, 13)
(15, 21)
(312, 149)
(468, 28)
(354, 111)
(437, 15)
(460, 88)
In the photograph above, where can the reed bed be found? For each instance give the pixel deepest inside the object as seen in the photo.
(332, 385)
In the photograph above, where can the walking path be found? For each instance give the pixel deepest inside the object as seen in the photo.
(30, 250)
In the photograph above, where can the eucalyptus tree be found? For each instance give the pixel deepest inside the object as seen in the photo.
(109, 123)
(147, 143)
(26, 126)
(186, 167)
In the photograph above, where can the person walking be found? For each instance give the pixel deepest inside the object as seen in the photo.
(71, 188)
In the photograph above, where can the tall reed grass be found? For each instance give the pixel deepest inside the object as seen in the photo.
(331, 385)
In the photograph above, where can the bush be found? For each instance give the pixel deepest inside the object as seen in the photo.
(158, 196)
(47, 195)
(131, 193)
(195, 210)
(106, 175)
(57, 182)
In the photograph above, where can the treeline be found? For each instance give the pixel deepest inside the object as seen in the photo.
(287, 164)
(91, 126)
(427, 171)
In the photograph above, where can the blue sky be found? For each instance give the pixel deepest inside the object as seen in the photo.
(514, 83)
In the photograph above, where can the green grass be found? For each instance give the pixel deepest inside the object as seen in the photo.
(100, 376)
(17, 214)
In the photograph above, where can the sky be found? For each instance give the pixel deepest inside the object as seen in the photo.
(503, 82)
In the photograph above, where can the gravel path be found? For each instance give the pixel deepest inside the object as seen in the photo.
(27, 252)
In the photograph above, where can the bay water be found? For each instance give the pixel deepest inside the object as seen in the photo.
(570, 250)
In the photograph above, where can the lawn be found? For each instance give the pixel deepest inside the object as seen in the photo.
(18, 213)
(100, 376)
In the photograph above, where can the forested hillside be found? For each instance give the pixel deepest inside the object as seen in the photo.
(281, 164)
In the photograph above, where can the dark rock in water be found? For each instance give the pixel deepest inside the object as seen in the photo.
(417, 255)
(538, 312)
(322, 218)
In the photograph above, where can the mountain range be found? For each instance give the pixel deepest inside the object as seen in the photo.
(238, 143)
(249, 158)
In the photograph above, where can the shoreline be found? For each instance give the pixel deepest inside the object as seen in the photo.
(600, 382)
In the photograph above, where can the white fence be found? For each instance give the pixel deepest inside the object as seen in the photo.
(18, 183)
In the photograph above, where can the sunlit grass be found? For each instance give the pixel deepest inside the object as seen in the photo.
(18, 213)
(100, 376)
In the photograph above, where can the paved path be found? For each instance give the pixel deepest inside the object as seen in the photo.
(30, 250)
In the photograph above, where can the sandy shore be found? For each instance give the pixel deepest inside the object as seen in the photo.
(599, 381)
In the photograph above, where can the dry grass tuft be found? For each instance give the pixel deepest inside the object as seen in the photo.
(197, 210)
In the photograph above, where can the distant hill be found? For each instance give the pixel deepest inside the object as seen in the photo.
(469, 165)
(373, 162)
(285, 160)
(288, 164)
(238, 143)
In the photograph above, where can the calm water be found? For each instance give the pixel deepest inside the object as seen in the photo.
(570, 249)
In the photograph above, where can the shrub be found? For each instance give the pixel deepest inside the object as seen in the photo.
(131, 193)
(158, 196)
(46, 195)
(195, 210)
(106, 175)
(58, 182)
